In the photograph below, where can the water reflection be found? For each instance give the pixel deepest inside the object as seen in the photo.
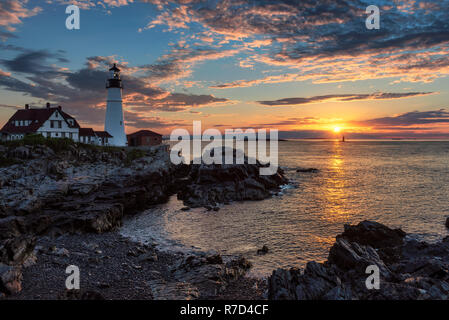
(398, 183)
(334, 188)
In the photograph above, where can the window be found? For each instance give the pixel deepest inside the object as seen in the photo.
(59, 124)
(56, 114)
(63, 134)
(70, 135)
(52, 124)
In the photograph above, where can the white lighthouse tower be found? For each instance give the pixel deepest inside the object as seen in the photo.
(114, 123)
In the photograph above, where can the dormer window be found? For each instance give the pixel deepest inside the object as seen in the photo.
(56, 114)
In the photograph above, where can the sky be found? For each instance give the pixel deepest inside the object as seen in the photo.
(309, 68)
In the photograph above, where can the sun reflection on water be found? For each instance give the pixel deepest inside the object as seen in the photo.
(335, 195)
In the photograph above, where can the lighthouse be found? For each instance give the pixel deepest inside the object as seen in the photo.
(114, 122)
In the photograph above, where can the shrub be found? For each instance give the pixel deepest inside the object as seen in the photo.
(134, 154)
(33, 139)
(59, 144)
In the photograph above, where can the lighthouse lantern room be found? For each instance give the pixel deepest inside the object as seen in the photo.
(114, 122)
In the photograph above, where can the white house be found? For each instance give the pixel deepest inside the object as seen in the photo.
(49, 122)
(89, 136)
(52, 123)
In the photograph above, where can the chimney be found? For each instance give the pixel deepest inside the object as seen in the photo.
(59, 108)
(48, 105)
(27, 106)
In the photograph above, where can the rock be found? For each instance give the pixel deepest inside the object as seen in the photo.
(208, 272)
(282, 284)
(16, 251)
(307, 170)
(61, 252)
(161, 290)
(81, 295)
(352, 256)
(373, 234)
(419, 270)
(148, 257)
(22, 152)
(212, 184)
(10, 279)
(264, 250)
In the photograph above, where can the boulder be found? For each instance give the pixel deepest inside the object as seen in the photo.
(10, 279)
(307, 170)
(420, 270)
(263, 250)
(373, 234)
(15, 251)
(212, 184)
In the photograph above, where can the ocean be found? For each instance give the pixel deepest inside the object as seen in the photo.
(399, 183)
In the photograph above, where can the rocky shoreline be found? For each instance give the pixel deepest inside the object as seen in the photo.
(408, 269)
(113, 267)
(59, 188)
(62, 205)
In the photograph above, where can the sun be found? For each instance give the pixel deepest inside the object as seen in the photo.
(337, 129)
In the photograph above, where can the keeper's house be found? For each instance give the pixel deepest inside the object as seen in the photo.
(50, 122)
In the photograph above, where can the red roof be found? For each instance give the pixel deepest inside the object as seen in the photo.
(87, 132)
(143, 133)
(37, 116)
(103, 134)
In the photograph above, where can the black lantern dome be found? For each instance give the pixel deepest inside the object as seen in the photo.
(114, 80)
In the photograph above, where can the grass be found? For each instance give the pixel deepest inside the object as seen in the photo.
(64, 144)
(134, 154)
(56, 144)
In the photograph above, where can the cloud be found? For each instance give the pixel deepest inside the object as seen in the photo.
(323, 41)
(4, 35)
(34, 62)
(180, 61)
(90, 4)
(12, 12)
(6, 106)
(82, 92)
(409, 119)
(342, 98)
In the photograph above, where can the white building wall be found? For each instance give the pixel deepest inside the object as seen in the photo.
(114, 122)
(47, 131)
